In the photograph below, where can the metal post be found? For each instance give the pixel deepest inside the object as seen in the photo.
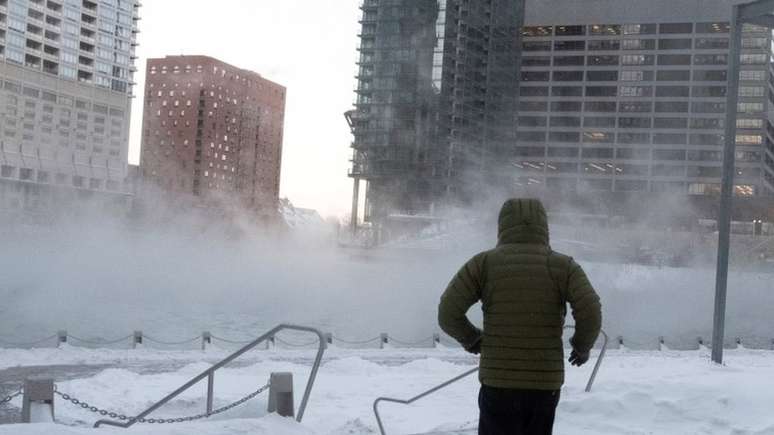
(38, 392)
(281, 394)
(210, 388)
(61, 337)
(136, 339)
(383, 339)
(727, 188)
(206, 339)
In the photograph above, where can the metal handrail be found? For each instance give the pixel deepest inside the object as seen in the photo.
(470, 372)
(209, 374)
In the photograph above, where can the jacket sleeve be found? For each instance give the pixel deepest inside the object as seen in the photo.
(463, 291)
(586, 309)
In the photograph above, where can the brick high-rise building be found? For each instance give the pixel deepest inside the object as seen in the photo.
(212, 130)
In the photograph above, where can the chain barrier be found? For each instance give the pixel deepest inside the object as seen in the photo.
(7, 399)
(122, 417)
(356, 343)
(295, 344)
(407, 343)
(225, 340)
(171, 343)
(99, 342)
(43, 340)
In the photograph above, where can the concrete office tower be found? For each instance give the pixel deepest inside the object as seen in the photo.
(630, 96)
(436, 102)
(66, 68)
(212, 130)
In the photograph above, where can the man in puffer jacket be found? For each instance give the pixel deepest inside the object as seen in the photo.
(524, 288)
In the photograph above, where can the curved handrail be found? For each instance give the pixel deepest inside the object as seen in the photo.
(470, 372)
(210, 372)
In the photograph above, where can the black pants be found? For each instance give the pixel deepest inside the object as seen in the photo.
(516, 412)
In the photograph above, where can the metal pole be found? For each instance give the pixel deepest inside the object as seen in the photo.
(355, 203)
(727, 188)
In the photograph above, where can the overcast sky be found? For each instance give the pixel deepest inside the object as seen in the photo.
(306, 45)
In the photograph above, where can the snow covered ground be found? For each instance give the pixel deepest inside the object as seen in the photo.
(636, 392)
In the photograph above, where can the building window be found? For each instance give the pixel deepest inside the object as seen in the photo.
(570, 30)
(569, 45)
(638, 29)
(674, 28)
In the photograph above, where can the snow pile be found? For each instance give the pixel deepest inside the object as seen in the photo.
(669, 392)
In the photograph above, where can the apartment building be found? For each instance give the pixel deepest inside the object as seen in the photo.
(212, 130)
(66, 75)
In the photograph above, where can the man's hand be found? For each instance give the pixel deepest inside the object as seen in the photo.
(475, 348)
(578, 359)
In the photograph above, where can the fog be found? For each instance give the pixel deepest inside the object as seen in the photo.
(103, 278)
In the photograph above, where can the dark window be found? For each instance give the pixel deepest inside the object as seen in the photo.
(602, 76)
(598, 121)
(532, 136)
(675, 44)
(635, 107)
(674, 59)
(672, 91)
(530, 151)
(706, 139)
(668, 171)
(670, 123)
(533, 106)
(602, 60)
(672, 28)
(712, 43)
(710, 59)
(533, 91)
(570, 30)
(642, 138)
(536, 45)
(569, 45)
(710, 75)
(669, 139)
(563, 136)
(633, 122)
(671, 106)
(567, 91)
(536, 61)
(532, 121)
(673, 75)
(569, 60)
(601, 91)
(537, 31)
(568, 76)
(597, 153)
(632, 153)
(565, 121)
(704, 171)
(604, 45)
(707, 156)
(709, 91)
(563, 152)
(534, 76)
(599, 106)
(708, 107)
(668, 154)
(565, 106)
(707, 123)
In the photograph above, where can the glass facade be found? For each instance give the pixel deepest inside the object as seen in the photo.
(648, 100)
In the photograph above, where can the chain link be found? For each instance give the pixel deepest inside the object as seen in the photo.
(11, 397)
(123, 417)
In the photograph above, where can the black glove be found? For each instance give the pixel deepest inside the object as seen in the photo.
(577, 358)
(475, 348)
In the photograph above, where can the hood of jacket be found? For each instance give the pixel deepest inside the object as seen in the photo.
(522, 220)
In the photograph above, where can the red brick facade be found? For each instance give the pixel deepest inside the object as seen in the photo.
(212, 130)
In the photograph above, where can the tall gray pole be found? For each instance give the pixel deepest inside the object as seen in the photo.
(727, 188)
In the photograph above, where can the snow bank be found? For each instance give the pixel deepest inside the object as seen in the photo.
(636, 392)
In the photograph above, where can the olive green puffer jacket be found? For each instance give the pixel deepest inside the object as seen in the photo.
(524, 288)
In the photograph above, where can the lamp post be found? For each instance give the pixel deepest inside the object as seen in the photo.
(760, 13)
